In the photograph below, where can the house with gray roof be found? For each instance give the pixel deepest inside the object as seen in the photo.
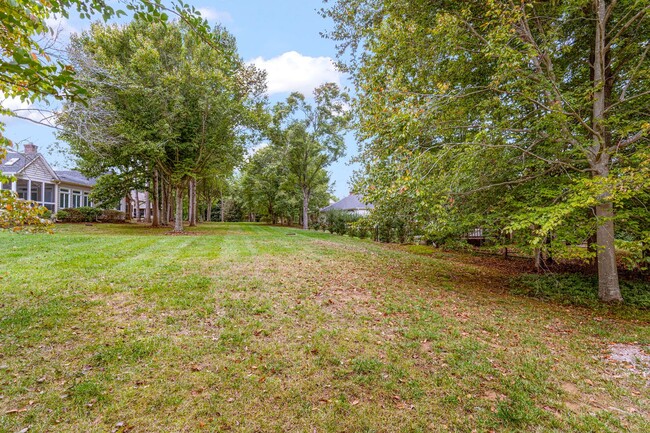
(353, 203)
(36, 180)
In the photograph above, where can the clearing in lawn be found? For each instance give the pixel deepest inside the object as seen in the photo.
(241, 327)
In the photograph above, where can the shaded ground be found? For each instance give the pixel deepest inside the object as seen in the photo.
(121, 328)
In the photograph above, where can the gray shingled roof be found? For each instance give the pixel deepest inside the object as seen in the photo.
(351, 202)
(71, 176)
(23, 160)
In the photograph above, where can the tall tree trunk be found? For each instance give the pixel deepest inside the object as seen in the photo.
(538, 259)
(178, 218)
(137, 206)
(192, 203)
(155, 217)
(305, 208)
(147, 207)
(222, 210)
(208, 214)
(129, 207)
(168, 205)
(608, 285)
(163, 202)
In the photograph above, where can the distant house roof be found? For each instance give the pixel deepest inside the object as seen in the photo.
(16, 161)
(350, 203)
(71, 176)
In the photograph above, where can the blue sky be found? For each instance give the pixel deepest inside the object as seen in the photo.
(282, 37)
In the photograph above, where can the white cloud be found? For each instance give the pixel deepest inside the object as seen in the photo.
(256, 148)
(214, 15)
(25, 110)
(60, 27)
(292, 71)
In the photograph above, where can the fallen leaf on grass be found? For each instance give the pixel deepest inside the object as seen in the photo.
(10, 411)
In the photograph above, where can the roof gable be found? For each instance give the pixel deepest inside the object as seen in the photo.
(351, 202)
(38, 164)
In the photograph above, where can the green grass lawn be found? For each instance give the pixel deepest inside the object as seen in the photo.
(252, 328)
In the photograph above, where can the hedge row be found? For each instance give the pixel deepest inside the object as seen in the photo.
(90, 214)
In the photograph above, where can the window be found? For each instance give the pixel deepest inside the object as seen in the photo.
(12, 161)
(86, 201)
(49, 193)
(64, 198)
(6, 186)
(37, 191)
(21, 189)
(76, 198)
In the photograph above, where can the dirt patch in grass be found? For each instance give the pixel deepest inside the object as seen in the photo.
(632, 356)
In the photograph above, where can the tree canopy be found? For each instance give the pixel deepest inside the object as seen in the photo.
(160, 99)
(310, 137)
(526, 118)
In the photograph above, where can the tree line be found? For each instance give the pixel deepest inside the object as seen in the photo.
(526, 119)
(169, 114)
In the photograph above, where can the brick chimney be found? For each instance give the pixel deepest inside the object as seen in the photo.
(31, 148)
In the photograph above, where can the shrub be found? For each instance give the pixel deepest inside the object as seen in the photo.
(61, 215)
(111, 216)
(337, 221)
(78, 215)
(70, 215)
(21, 215)
(90, 213)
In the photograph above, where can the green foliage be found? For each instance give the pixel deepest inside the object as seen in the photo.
(149, 109)
(30, 74)
(496, 115)
(310, 138)
(578, 289)
(22, 215)
(78, 215)
(338, 222)
(27, 70)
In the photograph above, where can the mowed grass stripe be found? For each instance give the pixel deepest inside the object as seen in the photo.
(242, 327)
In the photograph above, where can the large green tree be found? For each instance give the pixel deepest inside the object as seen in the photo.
(530, 116)
(311, 137)
(30, 73)
(161, 99)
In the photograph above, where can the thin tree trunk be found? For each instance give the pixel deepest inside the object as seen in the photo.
(222, 210)
(147, 207)
(156, 202)
(178, 218)
(129, 209)
(208, 214)
(305, 209)
(137, 206)
(192, 203)
(608, 285)
(168, 207)
(538, 259)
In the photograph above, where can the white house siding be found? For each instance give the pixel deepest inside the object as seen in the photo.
(41, 184)
(36, 181)
(68, 197)
(37, 171)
